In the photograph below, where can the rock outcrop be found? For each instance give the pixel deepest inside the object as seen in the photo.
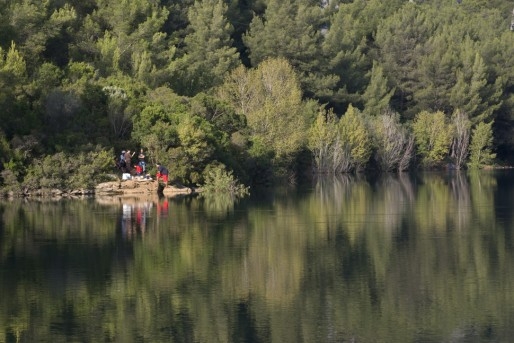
(138, 187)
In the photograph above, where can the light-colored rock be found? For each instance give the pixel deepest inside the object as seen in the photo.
(112, 187)
(173, 190)
(133, 186)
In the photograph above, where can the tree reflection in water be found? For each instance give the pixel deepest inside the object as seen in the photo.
(395, 258)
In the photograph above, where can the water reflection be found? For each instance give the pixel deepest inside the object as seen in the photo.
(134, 217)
(396, 258)
(137, 212)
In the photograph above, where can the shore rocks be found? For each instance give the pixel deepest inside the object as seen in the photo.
(138, 187)
(142, 186)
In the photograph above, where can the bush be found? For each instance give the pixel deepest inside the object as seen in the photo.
(220, 180)
(69, 171)
(393, 144)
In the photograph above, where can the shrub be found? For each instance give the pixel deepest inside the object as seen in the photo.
(220, 180)
(393, 144)
(69, 171)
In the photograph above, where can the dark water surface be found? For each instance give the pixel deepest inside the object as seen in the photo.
(425, 258)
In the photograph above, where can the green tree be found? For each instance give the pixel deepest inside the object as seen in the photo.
(377, 95)
(433, 137)
(129, 39)
(186, 135)
(498, 54)
(34, 25)
(346, 48)
(125, 99)
(16, 115)
(209, 54)
(323, 135)
(70, 171)
(199, 143)
(292, 30)
(155, 127)
(271, 100)
(435, 57)
(219, 180)
(436, 74)
(472, 92)
(481, 146)
(400, 40)
(355, 141)
(217, 112)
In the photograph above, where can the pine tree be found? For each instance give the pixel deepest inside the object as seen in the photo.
(377, 95)
(292, 30)
(209, 53)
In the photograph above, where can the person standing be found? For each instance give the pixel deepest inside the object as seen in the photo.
(162, 174)
(128, 157)
(142, 162)
(122, 163)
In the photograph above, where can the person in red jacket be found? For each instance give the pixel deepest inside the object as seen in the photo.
(139, 170)
(162, 174)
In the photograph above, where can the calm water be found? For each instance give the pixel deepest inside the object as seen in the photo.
(426, 258)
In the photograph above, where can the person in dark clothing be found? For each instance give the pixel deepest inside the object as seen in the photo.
(128, 163)
(121, 163)
(142, 162)
(162, 174)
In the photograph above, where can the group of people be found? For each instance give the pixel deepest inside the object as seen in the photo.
(125, 162)
(139, 168)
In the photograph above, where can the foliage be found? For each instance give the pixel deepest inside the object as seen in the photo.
(18, 153)
(354, 144)
(433, 136)
(13, 99)
(460, 141)
(219, 180)
(130, 73)
(217, 112)
(270, 98)
(128, 40)
(186, 143)
(322, 139)
(291, 30)
(392, 142)
(35, 26)
(198, 146)
(481, 146)
(209, 54)
(377, 95)
(70, 171)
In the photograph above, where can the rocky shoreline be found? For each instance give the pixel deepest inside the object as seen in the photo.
(111, 188)
(139, 187)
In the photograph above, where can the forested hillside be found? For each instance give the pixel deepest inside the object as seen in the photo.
(258, 88)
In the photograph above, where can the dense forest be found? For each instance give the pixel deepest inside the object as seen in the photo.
(252, 89)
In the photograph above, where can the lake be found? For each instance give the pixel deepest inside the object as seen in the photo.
(396, 258)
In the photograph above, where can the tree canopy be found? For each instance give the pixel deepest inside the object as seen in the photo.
(248, 79)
